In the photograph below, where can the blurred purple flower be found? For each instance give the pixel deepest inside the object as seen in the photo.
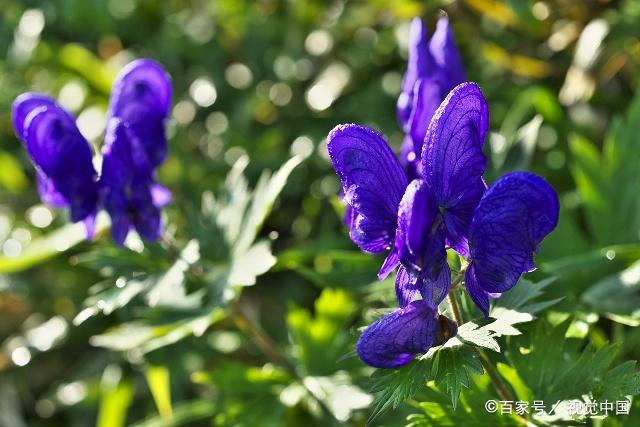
(61, 155)
(434, 68)
(135, 144)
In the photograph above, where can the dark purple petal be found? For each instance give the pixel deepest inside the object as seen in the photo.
(48, 192)
(457, 218)
(427, 97)
(63, 159)
(513, 217)
(478, 295)
(420, 64)
(141, 97)
(406, 287)
(420, 237)
(389, 264)
(396, 338)
(410, 160)
(373, 183)
(434, 289)
(452, 158)
(446, 56)
(120, 227)
(127, 185)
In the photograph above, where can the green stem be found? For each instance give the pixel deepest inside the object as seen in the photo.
(502, 390)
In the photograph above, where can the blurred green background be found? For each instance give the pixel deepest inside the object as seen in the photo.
(268, 79)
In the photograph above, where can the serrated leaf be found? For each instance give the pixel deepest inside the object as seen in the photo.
(391, 387)
(549, 364)
(512, 308)
(478, 335)
(451, 368)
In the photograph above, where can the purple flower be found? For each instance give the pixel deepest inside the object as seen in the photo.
(434, 68)
(129, 192)
(135, 144)
(61, 155)
(511, 220)
(141, 97)
(498, 231)
(393, 340)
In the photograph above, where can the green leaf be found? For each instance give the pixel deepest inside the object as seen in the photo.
(338, 394)
(452, 366)
(391, 387)
(607, 182)
(184, 413)
(49, 246)
(320, 340)
(514, 307)
(116, 397)
(617, 294)
(158, 380)
(551, 365)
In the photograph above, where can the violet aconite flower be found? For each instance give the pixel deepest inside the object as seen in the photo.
(141, 97)
(515, 214)
(129, 192)
(135, 145)
(61, 155)
(434, 68)
(395, 339)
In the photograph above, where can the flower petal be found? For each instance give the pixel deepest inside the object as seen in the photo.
(127, 185)
(478, 295)
(63, 159)
(457, 218)
(420, 64)
(389, 264)
(406, 287)
(419, 237)
(23, 105)
(48, 192)
(452, 158)
(141, 96)
(427, 96)
(513, 217)
(446, 55)
(373, 183)
(396, 338)
(434, 289)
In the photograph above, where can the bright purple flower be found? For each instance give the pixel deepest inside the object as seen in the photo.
(513, 217)
(434, 68)
(61, 155)
(395, 339)
(141, 97)
(436, 211)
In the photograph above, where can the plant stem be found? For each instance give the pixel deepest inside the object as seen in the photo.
(502, 390)
(261, 339)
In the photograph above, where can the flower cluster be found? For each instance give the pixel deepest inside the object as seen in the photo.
(446, 204)
(134, 146)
